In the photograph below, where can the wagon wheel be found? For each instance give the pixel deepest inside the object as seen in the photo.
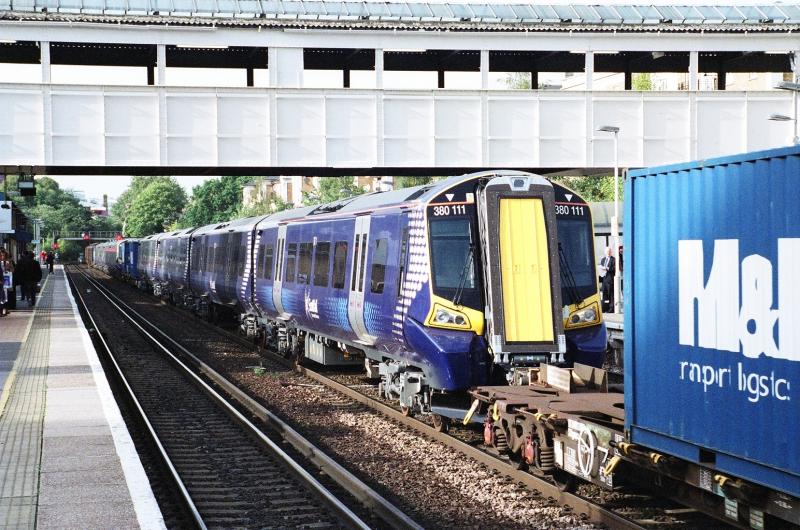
(441, 423)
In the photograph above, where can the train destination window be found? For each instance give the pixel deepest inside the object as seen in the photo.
(322, 263)
(355, 261)
(291, 256)
(304, 263)
(453, 258)
(378, 273)
(268, 262)
(339, 263)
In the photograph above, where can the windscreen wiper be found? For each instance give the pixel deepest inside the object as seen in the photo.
(567, 277)
(462, 280)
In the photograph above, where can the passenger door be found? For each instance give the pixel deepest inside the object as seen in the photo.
(279, 265)
(355, 301)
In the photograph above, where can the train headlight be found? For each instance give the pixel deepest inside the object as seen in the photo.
(448, 318)
(584, 317)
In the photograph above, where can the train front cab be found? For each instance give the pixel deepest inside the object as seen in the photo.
(584, 328)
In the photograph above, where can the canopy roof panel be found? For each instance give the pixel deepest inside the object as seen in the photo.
(444, 13)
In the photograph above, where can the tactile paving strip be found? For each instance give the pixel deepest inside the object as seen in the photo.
(22, 422)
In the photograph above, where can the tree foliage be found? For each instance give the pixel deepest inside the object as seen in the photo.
(518, 80)
(214, 201)
(410, 182)
(332, 189)
(156, 208)
(643, 81)
(120, 210)
(264, 207)
(60, 211)
(592, 189)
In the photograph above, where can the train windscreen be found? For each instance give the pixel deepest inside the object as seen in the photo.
(578, 279)
(453, 256)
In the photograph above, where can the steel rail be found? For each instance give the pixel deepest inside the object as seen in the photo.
(129, 394)
(365, 494)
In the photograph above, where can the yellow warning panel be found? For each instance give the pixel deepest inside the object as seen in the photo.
(525, 269)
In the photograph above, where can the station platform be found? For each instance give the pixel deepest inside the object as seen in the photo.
(66, 457)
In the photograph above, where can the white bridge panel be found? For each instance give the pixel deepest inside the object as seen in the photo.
(763, 134)
(457, 126)
(78, 127)
(627, 115)
(129, 126)
(243, 130)
(513, 131)
(22, 134)
(191, 129)
(301, 130)
(562, 130)
(666, 129)
(408, 126)
(351, 131)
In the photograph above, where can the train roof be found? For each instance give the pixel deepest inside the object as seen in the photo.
(385, 199)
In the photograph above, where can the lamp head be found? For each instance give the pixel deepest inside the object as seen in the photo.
(608, 128)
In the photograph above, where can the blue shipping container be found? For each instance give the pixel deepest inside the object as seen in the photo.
(712, 314)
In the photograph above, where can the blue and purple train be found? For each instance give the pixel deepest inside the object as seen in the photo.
(435, 289)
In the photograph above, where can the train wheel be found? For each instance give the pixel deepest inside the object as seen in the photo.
(441, 423)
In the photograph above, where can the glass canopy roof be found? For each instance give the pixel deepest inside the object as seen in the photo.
(523, 13)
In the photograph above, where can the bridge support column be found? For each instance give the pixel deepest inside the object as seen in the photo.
(285, 67)
(588, 69)
(44, 58)
(693, 69)
(379, 69)
(484, 69)
(161, 64)
(440, 78)
(534, 80)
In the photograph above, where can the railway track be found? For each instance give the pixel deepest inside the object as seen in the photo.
(225, 470)
(356, 395)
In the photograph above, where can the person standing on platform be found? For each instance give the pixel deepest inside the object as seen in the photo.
(3, 310)
(607, 271)
(29, 273)
(10, 290)
(50, 259)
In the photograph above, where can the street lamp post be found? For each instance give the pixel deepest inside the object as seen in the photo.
(615, 219)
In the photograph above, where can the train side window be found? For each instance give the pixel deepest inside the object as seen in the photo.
(355, 263)
(363, 263)
(322, 263)
(339, 263)
(304, 263)
(401, 268)
(267, 267)
(291, 257)
(378, 273)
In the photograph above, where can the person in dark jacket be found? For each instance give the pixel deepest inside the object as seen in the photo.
(50, 259)
(29, 273)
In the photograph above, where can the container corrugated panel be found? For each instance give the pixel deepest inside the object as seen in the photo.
(712, 314)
